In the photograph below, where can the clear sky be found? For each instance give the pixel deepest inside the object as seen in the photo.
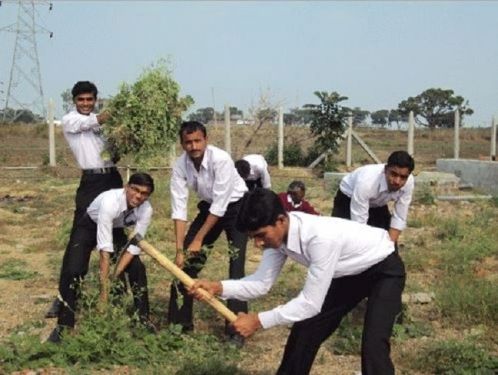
(377, 53)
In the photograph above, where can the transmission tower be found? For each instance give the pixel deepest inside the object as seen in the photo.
(25, 90)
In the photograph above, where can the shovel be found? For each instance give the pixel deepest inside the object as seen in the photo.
(137, 239)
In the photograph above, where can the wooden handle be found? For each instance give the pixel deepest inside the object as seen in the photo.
(186, 279)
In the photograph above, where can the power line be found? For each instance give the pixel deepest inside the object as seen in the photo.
(25, 75)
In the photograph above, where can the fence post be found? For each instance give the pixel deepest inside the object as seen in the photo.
(228, 142)
(280, 138)
(493, 138)
(51, 133)
(456, 153)
(349, 143)
(411, 133)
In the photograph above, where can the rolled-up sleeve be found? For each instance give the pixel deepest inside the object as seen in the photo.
(223, 186)
(179, 193)
(401, 206)
(77, 123)
(141, 226)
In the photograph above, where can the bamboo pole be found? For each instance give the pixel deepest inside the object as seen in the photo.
(184, 278)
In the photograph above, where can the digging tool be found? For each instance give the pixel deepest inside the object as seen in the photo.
(137, 239)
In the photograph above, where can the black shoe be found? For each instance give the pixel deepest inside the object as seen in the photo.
(56, 334)
(236, 339)
(54, 310)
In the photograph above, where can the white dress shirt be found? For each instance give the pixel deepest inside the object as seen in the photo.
(367, 187)
(83, 134)
(110, 210)
(217, 182)
(259, 169)
(330, 247)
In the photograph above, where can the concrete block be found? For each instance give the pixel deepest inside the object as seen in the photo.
(482, 174)
(437, 182)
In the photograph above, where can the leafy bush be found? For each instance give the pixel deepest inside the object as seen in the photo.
(293, 155)
(456, 357)
(145, 116)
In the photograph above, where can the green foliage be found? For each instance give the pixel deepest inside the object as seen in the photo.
(456, 357)
(293, 155)
(359, 116)
(380, 117)
(468, 300)
(15, 269)
(347, 338)
(449, 229)
(203, 115)
(328, 120)
(145, 116)
(424, 195)
(435, 108)
(111, 338)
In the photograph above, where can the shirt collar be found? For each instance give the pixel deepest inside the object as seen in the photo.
(123, 206)
(204, 163)
(383, 182)
(293, 234)
(289, 199)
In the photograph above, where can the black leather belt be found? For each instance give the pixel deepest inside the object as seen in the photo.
(105, 170)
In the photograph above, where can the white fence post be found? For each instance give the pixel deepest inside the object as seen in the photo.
(349, 143)
(51, 133)
(493, 138)
(456, 153)
(411, 133)
(280, 138)
(228, 141)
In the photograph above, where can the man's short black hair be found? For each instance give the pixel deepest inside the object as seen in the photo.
(243, 167)
(259, 208)
(296, 185)
(84, 87)
(142, 179)
(401, 159)
(189, 127)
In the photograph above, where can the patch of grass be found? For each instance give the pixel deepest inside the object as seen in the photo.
(467, 300)
(347, 339)
(449, 229)
(15, 269)
(211, 366)
(424, 195)
(455, 357)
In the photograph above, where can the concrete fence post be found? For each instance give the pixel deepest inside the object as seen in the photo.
(280, 138)
(51, 133)
(411, 133)
(349, 143)
(456, 149)
(493, 138)
(228, 140)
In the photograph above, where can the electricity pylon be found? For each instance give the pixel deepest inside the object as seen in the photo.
(25, 90)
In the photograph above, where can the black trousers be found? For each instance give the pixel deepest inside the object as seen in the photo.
(182, 313)
(75, 266)
(379, 217)
(253, 184)
(382, 285)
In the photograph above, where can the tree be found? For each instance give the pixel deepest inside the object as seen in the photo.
(435, 108)
(203, 115)
(380, 117)
(396, 116)
(328, 120)
(359, 115)
(67, 100)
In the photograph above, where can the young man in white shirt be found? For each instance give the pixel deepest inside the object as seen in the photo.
(343, 269)
(210, 172)
(113, 209)
(364, 193)
(254, 171)
(83, 132)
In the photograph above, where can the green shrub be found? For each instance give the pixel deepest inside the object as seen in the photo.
(293, 155)
(212, 366)
(347, 338)
(424, 195)
(456, 357)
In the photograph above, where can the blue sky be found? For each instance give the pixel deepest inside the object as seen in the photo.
(377, 53)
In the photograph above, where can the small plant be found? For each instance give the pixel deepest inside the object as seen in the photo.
(449, 230)
(293, 155)
(456, 357)
(424, 195)
(347, 338)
